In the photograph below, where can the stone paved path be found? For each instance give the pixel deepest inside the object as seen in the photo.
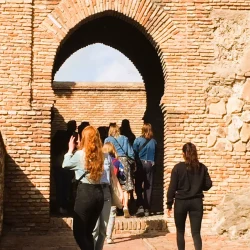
(65, 241)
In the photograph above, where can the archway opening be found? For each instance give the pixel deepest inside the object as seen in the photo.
(123, 34)
(104, 64)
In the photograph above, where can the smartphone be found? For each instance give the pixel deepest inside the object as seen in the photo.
(75, 135)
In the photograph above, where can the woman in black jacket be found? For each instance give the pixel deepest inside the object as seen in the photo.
(188, 181)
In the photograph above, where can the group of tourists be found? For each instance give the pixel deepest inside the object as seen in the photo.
(117, 161)
(131, 162)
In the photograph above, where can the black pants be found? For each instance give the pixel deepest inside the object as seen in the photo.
(144, 184)
(88, 206)
(193, 207)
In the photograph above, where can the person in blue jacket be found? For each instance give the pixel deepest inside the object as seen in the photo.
(145, 151)
(125, 153)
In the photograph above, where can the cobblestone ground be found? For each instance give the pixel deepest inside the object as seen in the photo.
(65, 241)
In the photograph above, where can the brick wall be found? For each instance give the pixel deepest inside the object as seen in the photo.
(202, 48)
(99, 104)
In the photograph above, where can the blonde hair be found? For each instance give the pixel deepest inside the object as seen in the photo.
(114, 130)
(92, 145)
(146, 131)
(109, 148)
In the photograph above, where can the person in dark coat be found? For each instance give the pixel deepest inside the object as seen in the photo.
(188, 181)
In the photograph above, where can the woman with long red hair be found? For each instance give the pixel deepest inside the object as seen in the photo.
(87, 162)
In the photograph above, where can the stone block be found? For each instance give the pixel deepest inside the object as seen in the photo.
(223, 144)
(217, 108)
(237, 122)
(245, 63)
(240, 146)
(246, 91)
(211, 139)
(233, 133)
(232, 215)
(245, 132)
(245, 117)
(221, 132)
(248, 146)
(234, 104)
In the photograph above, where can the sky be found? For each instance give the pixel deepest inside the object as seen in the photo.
(98, 63)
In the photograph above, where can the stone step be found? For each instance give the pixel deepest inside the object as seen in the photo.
(133, 225)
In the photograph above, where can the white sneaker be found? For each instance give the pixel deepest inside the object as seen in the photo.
(110, 241)
(126, 212)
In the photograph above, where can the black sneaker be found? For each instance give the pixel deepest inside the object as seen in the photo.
(140, 212)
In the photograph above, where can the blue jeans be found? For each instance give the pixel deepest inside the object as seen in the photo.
(111, 222)
(100, 229)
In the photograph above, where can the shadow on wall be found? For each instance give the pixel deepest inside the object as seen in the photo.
(26, 206)
(68, 87)
(61, 180)
(32, 212)
(2, 168)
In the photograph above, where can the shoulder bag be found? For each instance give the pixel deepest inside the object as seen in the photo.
(115, 190)
(130, 160)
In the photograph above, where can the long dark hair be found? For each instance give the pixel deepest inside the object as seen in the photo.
(125, 129)
(190, 155)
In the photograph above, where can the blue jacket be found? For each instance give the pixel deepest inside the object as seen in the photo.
(124, 148)
(148, 152)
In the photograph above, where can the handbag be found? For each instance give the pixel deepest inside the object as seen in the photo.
(115, 190)
(130, 160)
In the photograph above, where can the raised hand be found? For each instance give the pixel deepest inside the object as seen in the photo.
(71, 144)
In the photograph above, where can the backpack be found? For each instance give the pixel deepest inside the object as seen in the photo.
(119, 171)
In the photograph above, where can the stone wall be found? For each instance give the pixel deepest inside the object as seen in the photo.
(202, 48)
(232, 216)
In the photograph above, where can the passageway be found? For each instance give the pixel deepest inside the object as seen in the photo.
(123, 34)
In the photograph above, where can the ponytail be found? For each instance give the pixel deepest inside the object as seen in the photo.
(191, 157)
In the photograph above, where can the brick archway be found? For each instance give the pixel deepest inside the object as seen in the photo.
(148, 17)
(150, 20)
(117, 33)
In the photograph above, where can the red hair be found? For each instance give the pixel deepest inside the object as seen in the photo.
(92, 145)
